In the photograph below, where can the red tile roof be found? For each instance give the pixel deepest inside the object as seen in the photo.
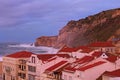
(68, 49)
(97, 54)
(69, 68)
(21, 54)
(84, 59)
(111, 57)
(51, 59)
(86, 50)
(91, 65)
(63, 55)
(56, 66)
(115, 73)
(117, 53)
(83, 47)
(101, 44)
(45, 57)
(79, 61)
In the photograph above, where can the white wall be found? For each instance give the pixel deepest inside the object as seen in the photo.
(95, 72)
(64, 73)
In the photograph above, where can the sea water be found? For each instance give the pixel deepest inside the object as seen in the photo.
(9, 48)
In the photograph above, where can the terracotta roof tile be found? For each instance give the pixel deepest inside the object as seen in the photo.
(68, 49)
(79, 61)
(111, 57)
(45, 57)
(63, 55)
(84, 59)
(51, 59)
(21, 54)
(97, 54)
(101, 44)
(56, 66)
(86, 50)
(69, 68)
(115, 73)
(91, 65)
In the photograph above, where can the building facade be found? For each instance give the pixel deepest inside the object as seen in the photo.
(14, 66)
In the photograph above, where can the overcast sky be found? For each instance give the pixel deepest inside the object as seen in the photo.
(25, 20)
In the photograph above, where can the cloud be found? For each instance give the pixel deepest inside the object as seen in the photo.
(17, 12)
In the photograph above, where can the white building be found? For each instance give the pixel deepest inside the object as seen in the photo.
(37, 64)
(14, 66)
(76, 52)
(90, 68)
(103, 46)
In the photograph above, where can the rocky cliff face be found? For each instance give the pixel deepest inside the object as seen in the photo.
(100, 27)
(46, 41)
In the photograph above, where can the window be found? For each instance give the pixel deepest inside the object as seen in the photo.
(33, 59)
(23, 76)
(7, 69)
(32, 68)
(22, 67)
(31, 77)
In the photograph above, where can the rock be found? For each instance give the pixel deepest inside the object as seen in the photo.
(49, 41)
(99, 27)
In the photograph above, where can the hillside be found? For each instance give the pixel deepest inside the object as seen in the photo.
(99, 27)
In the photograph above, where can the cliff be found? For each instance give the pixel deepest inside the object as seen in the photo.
(99, 27)
(46, 41)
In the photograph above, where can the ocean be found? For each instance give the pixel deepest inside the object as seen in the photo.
(9, 48)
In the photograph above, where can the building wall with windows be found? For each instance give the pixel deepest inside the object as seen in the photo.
(91, 73)
(36, 67)
(10, 68)
(14, 68)
(22, 69)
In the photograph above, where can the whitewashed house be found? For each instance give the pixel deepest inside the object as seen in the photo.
(14, 66)
(37, 64)
(55, 72)
(76, 52)
(90, 68)
(103, 46)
